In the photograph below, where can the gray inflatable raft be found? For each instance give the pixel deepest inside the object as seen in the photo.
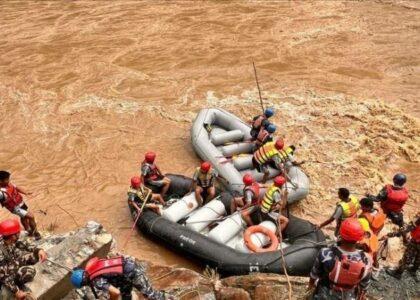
(224, 140)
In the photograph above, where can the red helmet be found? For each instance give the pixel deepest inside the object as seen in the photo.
(205, 166)
(9, 227)
(279, 144)
(150, 157)
(279, 181)
(247, 179)
(351, 230)
(135, 182)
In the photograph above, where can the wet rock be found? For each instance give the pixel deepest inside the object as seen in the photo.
(66, 252)
(230, 293)
(388, 287)
(261, 286)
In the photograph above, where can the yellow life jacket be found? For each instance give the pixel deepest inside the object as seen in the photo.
(205, 180)
(141, 193)
(285, 154)
(265, 153)
(349, 208)
(268, 201)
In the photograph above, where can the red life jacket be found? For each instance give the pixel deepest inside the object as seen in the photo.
(258, 122)
(395, 199)
(255, 190)
(346, 274)
(97, 267)
(13, 197)
(415, 234)
(153, 174)
(262, 137)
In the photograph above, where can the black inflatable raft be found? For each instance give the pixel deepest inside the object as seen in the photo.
(298, 257)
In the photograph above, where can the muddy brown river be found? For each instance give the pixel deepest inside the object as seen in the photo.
(86, 87)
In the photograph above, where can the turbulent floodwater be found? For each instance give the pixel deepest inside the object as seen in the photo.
(87, 87)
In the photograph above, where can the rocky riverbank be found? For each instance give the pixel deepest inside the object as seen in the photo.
(74, 248)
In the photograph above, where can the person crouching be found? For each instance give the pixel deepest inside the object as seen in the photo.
(114, 277)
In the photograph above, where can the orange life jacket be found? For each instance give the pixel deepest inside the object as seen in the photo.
(395, 199)
(376, 220)
(153, 174)
(13, 197)
(371, 244)
(346, 274)
(255, 189)
(415, 234)
(97, 267)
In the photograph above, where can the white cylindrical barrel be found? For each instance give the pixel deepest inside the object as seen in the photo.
(233, 241)
(227, 137)
(227, 229)
(259, 176)
(181, 208)
(205, 215)
(237, 148)
(243, 162)
(259, 239)
(216, 131)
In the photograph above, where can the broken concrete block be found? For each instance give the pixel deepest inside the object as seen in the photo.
(52, 280)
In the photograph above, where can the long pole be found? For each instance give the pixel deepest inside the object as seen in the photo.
(258, 86)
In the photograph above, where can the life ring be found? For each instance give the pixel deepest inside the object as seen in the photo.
(260, 229)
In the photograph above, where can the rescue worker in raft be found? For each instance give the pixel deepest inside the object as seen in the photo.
(138, 193)
(115, 277)
(152, 176)
(16, 259)
(411, 258)
(260, 121)
(203, 183)
(11, 198)
(272, 154)
(393, 198)
(265, 135)
(272, 207)
(250, 195)
(346, 208)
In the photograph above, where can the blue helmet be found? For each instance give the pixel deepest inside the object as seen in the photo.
(269, 112)
(271, 128)
(399, 179)
(77, 277)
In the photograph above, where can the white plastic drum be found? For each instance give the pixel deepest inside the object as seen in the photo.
(227, 137)
(259, 239)
(181, 208)
(237, 148)
(205, 215)
(243, 162)
(227, 229)
(259, 176)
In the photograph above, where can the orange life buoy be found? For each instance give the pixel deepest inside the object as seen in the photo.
(260, 229)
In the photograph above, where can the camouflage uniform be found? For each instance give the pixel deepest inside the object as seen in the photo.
(133, 276)
(411, 255)
(15, 264)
